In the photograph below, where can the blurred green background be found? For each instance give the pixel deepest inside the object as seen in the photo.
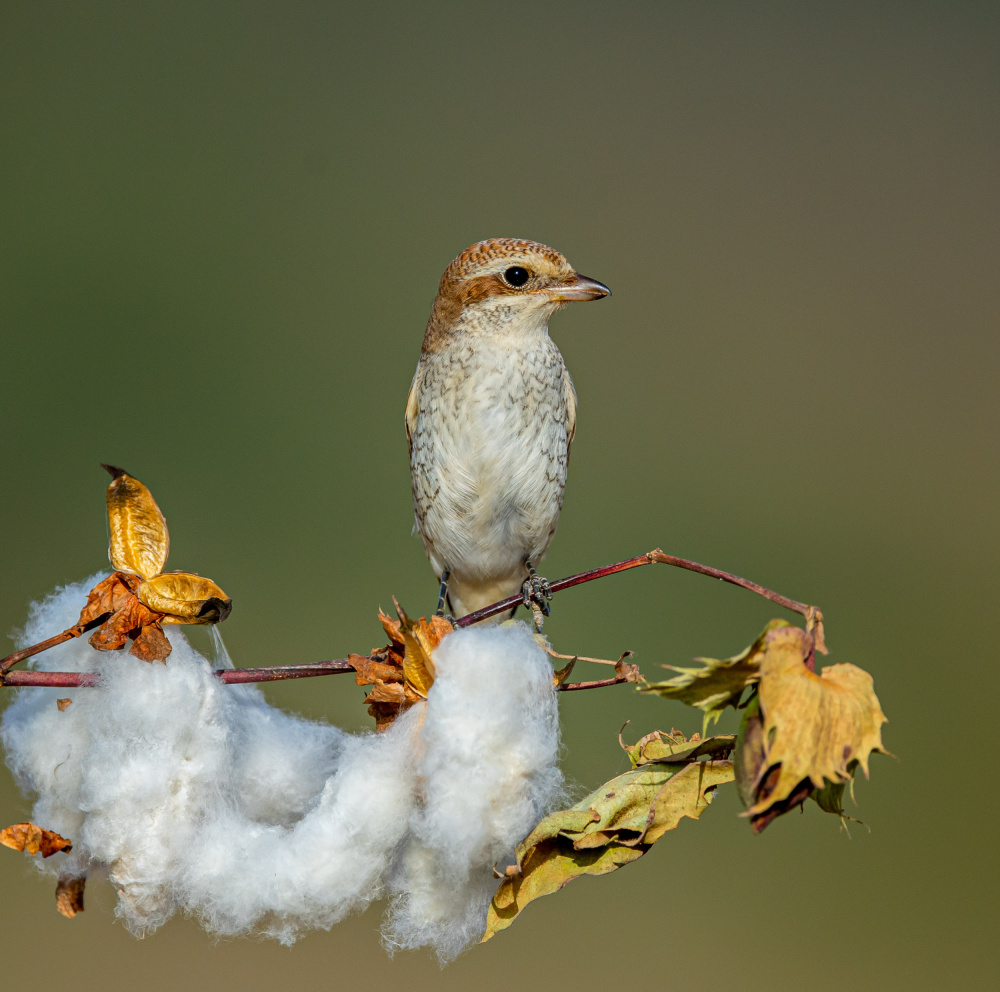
(223, 226)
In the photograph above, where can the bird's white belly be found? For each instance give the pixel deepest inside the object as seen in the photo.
(494, 444)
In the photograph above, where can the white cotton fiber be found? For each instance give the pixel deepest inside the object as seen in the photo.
(485, 764)
(195, 796)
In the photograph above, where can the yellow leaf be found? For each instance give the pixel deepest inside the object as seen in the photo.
(184, 597)
(420, 638)
(140, 541)
(805, 730)
(717, 683)
(614, 825)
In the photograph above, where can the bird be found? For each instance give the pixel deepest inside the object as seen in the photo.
(490, 420)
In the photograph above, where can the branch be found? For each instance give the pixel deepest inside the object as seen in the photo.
(67, 635)
(277, 673)
(237, 676)
(812, 614)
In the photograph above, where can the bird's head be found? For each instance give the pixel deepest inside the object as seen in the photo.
(505, 286)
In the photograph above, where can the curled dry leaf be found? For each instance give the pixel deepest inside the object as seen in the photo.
(402, 672)
(624, 669)
(33, 839)
(139, 598)
(140, 541)
(129, 619)
(805, 734)
(674, 747)
(614, 825)
(69, 896)
(561, 674)
(717, 683)
(185, 597)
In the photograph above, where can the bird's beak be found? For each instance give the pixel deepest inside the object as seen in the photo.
(577, 287)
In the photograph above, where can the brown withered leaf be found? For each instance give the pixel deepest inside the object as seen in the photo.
(129, 618)
(626, 670)
(401, 672)
(109, 596)
(394, 649)
(184, 597)
(369, 669)
(64, 704)
(151, 644)
(33, 839)
(614, 825)
(717, 683)
(805, 734)
(132, 619)
(140, 541)
(69, 896)
(420, 638)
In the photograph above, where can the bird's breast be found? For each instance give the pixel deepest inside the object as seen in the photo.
(489, 452)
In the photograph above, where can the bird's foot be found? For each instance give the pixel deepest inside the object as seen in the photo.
(443, 595)
(536, 593)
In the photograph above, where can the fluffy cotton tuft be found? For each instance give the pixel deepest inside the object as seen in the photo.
(198, 797)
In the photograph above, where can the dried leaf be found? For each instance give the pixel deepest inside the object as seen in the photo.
(369, 669)
(109, 596)
(64, 704)
(69, 896)
(129, 620)
(614, 825)
(394, 633)
(561, 674)
(805, 733)
(140, 541)
(420, 638)
(402, 672)
(184, 597)
(627, 671)
(32, 839)
(151, 644)
(718, 683)
(673, 747)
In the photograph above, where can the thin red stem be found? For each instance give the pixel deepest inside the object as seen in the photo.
(235, 676)
(277, 673)
(67, 635)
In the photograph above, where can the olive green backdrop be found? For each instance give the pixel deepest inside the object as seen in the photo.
(223, 226)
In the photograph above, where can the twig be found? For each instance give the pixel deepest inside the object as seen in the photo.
(654, 557)
(235, 676)
(276, 673)
(67, 635)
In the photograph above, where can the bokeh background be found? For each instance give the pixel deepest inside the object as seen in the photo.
(223, 226)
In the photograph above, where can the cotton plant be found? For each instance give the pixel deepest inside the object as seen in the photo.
(185, 789)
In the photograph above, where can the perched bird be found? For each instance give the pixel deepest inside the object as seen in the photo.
(490, 420)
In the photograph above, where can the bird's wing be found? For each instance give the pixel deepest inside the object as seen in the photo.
(412, 408)
(569, 394)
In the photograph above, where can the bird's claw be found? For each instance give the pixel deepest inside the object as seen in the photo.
(536, 593)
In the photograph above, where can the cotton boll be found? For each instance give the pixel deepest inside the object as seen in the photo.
(331, 863)
(198, 797)
(487, 763)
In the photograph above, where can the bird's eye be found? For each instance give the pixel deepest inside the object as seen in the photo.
(516, 276)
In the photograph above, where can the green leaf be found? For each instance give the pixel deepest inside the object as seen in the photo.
(614, 825)
(717, 683)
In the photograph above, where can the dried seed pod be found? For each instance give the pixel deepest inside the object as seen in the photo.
(183, 597)
(140, 541)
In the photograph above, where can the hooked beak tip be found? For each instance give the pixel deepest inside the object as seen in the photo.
(579, 288)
